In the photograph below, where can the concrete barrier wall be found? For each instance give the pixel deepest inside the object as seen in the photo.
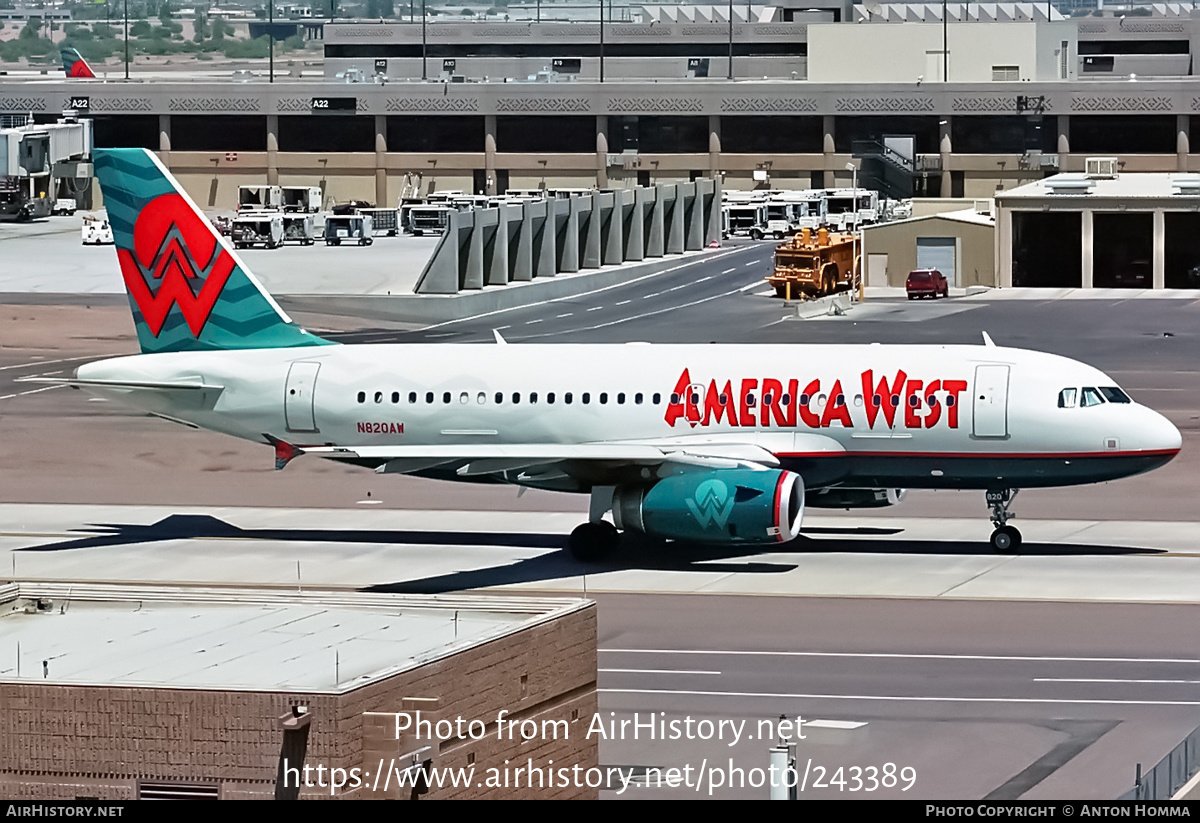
(527, 241)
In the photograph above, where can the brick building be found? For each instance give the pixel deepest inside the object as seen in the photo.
(121, 692)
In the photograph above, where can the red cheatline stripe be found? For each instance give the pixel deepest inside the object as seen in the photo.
(1021, 455)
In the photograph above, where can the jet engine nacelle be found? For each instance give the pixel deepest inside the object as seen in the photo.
(724, 506)
(837, 498)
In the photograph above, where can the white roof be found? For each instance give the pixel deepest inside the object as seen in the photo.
(1131, 185)
(229, 638)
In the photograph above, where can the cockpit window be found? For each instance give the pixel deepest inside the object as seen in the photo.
(1091, 397)
(1066, 398)
(1114, 395)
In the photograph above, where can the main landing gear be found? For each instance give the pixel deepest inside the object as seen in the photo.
(592, 541)
(1005, 538)
(596, 538)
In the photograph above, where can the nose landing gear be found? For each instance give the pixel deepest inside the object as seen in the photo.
(1005, 538)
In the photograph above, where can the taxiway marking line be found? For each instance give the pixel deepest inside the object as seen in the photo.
(901, 656)
(658, 671)
(903, 698)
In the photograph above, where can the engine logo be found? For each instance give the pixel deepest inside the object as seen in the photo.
(712, 503)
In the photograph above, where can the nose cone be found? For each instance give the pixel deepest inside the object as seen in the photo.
(1157, 433)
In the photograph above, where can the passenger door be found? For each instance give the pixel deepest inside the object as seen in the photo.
(990, 418)
(298, 410)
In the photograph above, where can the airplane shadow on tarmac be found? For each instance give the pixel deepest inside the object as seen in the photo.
(635, 553)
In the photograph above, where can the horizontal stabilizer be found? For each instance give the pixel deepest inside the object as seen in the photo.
(158, 385)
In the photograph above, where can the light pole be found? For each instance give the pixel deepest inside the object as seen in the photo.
(945, 52)
(126, 39)
(855, 266)
(730, 39)
(601, 41)
(424, 71)
(271, 35)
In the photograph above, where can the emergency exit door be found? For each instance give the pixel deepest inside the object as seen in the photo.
(298, 395)
(990, 418)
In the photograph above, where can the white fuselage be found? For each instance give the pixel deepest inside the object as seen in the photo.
(964, 416)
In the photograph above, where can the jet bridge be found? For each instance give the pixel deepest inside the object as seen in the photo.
(39, 163)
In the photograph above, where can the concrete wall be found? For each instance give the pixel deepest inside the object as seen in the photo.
(887, 53)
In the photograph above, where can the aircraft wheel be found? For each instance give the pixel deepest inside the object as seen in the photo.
(593, 541)
(1006, 539)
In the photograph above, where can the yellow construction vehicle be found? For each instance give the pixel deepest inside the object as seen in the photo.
(807, 268)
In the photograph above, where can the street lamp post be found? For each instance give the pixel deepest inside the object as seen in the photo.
(271, 36)
(424, 71)
(730, 39)
(855, 266)
(126, 39)
(945, 51)
(601, 41)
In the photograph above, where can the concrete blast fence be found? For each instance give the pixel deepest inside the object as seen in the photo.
(519, 242)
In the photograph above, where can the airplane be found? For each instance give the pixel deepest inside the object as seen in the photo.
(74, 65)
(720, 444)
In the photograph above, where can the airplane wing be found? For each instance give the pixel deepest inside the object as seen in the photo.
(589, 463)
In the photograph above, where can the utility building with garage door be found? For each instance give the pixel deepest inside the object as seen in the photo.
(1101, 229)
(960, 244)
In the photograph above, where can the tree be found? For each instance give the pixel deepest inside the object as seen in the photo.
(32, 26)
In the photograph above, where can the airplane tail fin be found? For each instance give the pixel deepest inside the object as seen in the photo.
(189, 291)
(74, 64)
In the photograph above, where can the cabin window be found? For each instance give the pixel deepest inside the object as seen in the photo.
(750, 399)
(674, 398)
(462, 398)
(858, 400)
(517, 397)
(481, 398)
(804, 398)
(1114, 395)
(549, 397)
(876, 401)
(950, 400)
(428, 397)
(656, 399)
(895, 401)
(768, 399)
(603, 398)
(931, 400)
(568, 398)
(724, 398)
(532, 397)
(1066, 398)
(395, 397)
(637, 398)
(914, 401)
(786, 399)
(412, 397)
(362, 397)
(1090, 397)
(499, 398)
(620, 398)
(587, 397)
(446, 397)
(839, 401)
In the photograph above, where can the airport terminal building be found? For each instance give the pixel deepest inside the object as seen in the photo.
(997, 97)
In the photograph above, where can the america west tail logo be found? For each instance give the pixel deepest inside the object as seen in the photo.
(171, 256)
(175, 260)
(74, 65)
(713, 503)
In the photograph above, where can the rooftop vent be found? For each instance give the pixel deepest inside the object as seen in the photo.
(1069, 184)
(1186, 184)
(1101, 168)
